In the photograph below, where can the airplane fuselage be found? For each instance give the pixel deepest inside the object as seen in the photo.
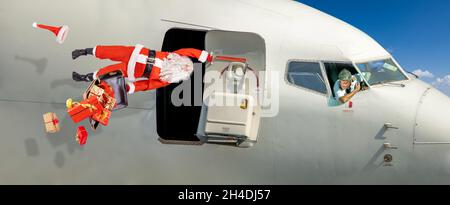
(393, 133)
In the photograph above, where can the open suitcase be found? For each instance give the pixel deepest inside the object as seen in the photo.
(117, 82)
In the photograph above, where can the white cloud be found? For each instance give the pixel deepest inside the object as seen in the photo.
(442, 84)
(423, 73)
(444, 81)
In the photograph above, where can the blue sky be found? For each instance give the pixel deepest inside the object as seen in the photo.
(416, 32)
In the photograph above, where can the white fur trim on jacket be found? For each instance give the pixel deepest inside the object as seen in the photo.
(133, 60)
(203, 57)
(158, 63)
(132, 88)
(95, 75)
(142, 59)
(94, 50)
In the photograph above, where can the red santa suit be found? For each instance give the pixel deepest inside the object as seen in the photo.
(133, 60)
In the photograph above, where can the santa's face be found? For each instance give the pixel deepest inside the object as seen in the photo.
(186, 68)
(176, 68)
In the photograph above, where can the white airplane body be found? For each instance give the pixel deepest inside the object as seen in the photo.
(394, 133)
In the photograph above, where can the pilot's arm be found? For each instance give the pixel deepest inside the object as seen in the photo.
(349, 96)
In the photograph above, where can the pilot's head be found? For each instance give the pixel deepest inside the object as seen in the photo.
(345, 79)
(176, 68)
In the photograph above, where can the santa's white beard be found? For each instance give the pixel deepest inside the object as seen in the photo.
(176, 68)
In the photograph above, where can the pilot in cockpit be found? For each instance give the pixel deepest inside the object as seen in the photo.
(346, 86)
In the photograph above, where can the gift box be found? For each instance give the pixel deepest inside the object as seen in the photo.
(102, 117)
(94, 91)
(84, 109)
(107, 88)
(109, 102)
(116, 82)
(51, 122)
(107, 99)
(82, 135)
(103, 92)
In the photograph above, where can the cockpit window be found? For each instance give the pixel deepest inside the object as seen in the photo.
(381, 71)
(307, 75)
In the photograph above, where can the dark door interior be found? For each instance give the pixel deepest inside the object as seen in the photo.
(179, 123)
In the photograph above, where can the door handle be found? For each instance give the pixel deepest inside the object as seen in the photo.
(390, 125)
(389, 146)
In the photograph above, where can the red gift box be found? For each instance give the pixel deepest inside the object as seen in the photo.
(107, 99)
(84, 109)
(108, 90)
(103, 92)
(102, 117)
(82, 135)
(110, 102)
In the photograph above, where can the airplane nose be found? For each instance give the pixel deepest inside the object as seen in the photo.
(433, 118)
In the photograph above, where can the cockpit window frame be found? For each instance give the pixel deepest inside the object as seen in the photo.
(355, 64)
(324, 70)
(325, 79)
(325, 76)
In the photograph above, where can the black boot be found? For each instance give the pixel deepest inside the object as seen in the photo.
(82, 52)
(86, 78)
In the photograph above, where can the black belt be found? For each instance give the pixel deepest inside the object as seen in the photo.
(150, 63)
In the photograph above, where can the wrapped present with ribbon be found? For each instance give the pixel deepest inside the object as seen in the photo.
(107, 99)
(82, 135)
(51, 122)
(102, 117)
(110, 102)
(82, 110)
(116, 85)
(93, 90)
(103, 92)
(107, 88)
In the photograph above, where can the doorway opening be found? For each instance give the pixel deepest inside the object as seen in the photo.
(178, 124)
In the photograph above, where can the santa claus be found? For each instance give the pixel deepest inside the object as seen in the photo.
(145, 69)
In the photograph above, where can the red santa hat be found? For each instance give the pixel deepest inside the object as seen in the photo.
(60, 32)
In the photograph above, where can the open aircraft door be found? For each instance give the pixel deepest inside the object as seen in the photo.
(231, 110)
